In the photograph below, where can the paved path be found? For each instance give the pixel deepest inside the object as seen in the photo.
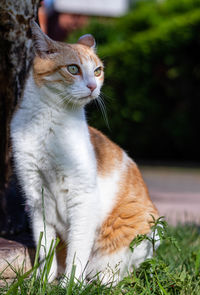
(175, 191)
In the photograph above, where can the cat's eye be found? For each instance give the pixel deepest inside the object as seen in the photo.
(73, 69)
(97, 72)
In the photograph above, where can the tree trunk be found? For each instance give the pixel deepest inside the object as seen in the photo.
(15, 60)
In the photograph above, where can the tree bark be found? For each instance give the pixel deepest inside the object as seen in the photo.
(15, 59)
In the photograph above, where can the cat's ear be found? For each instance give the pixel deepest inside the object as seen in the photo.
(43, 45)
(87, 40)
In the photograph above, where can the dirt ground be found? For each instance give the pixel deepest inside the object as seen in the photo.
(175, 192)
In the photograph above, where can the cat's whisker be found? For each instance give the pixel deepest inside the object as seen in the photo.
(107, 98)
(102, 106)
(62, 93)
(73, 105)
(67, 101)
(70, 102)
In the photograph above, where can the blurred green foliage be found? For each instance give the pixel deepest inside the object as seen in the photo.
(152, 79)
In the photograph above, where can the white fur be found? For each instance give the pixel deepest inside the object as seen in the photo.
(108, 187)
(52, 150)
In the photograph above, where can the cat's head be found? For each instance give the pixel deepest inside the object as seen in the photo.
(73, 71)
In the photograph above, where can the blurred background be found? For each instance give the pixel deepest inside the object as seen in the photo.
(151, 52)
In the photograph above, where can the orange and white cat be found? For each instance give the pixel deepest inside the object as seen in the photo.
(94, 194)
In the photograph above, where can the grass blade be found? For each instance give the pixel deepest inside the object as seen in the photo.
(36, 263)
(71, 280)
(14, 287)
(161, 287)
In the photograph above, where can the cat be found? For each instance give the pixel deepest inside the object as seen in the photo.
(94, 195)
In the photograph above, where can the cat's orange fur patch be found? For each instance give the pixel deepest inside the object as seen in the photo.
(130, 216)
(108, 154)
(85, 52)
(46, 67)
(41, 68)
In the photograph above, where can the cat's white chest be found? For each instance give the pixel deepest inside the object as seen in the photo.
(56, 148)
(69, 157)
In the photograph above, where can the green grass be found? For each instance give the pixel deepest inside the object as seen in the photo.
(175, 269)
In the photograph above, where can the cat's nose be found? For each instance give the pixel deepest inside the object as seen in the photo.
(92, 86)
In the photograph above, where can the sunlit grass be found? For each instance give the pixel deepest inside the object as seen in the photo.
(170, 271)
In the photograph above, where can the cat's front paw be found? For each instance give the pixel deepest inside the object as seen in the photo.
(107, 277)
(63, 281)
(75, 274)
